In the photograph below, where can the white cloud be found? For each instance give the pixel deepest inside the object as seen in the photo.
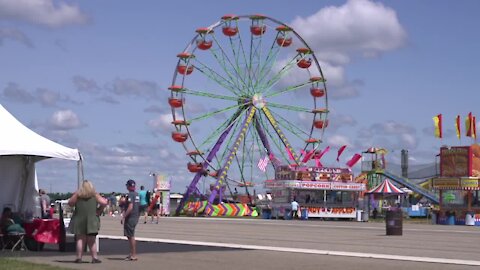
(15, 93)
(357, 28)
(135, 88)
(391, 127)
(408, 141)
(338, 140)
(162, 122)
(65, 120)
(43, 12)
(83, 84)
(16, 35)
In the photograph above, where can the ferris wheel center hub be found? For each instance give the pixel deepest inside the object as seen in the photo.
(258, 101)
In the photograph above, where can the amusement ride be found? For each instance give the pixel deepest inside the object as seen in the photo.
(247, 95)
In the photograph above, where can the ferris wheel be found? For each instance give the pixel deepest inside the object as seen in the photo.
(247, 95)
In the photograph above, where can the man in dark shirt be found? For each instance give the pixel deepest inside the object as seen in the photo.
(130, 219)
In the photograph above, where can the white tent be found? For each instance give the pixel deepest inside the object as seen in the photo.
(20, 149)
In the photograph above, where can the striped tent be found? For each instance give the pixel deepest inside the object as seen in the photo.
(386, 188)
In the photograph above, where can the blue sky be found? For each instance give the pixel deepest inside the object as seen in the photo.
(93, 75)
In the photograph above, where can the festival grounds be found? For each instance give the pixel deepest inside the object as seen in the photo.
(238, 243)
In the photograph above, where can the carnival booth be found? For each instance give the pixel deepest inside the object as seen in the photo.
(459, 185)
(20, 150)
(387, 192)
(321, 192)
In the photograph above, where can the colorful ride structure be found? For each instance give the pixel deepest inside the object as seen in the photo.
(458, 185)
(245, 89)
(455, 190)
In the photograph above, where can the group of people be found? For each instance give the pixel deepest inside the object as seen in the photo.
(150, 204)
(89, 205)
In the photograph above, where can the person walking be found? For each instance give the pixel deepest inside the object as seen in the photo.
(294, 206)
(45, 204)
(85, 219)
(143, 203)
(130, 219)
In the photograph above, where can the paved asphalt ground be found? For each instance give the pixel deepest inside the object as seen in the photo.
(228, 243)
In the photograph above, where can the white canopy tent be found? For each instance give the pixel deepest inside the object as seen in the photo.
(20, 149)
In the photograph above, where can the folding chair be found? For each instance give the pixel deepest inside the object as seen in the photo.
(15, 239)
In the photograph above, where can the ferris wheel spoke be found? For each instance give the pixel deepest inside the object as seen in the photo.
(216, 77)
(277, 129)
(268, 63)
(289, 107)
(276, 142)
(288, 125)
(269, 85)
(223, 59)
(217, 132)
(207, 94)
(286, 90)
(210, 114)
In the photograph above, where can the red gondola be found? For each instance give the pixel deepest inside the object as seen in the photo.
(284, 42)
(180, 122)
(204, 30)
(175, 88)
(229, 17)
(283, 28)
(312, 140)
(304, 51)
(213, 174)
(230, 31)
(304, 63)
(317, 92)
(184, 70)
(258, 30)
(179, 137)
(320, 110)
(195, 167)
(185, 55)
(316, 79)
(204, 45)
(320, 123)
(175, 102)
(194, 153)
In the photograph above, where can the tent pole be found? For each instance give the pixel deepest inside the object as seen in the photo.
(79, 171)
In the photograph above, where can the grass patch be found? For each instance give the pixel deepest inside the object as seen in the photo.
(13, 264)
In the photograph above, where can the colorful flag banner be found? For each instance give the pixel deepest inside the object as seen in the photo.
(474, 127)
(318, 163)
(354, 160)
(308, 155)
(262, 163)
(340, 151)
(437, 121)
(457, 127)
(468, 125)
(320, 155)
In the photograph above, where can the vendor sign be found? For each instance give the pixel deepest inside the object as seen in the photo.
(332, 212)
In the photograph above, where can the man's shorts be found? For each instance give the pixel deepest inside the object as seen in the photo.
(129, 227)
(142, 209)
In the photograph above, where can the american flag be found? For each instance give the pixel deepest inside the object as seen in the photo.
(262, 163)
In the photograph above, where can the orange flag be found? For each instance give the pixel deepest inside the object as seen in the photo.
(469, 125)
(437, 121)
(474, 127)
(457, 126)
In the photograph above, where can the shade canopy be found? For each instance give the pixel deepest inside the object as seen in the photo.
(386, 188)
(17, 139)
(20, 149)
